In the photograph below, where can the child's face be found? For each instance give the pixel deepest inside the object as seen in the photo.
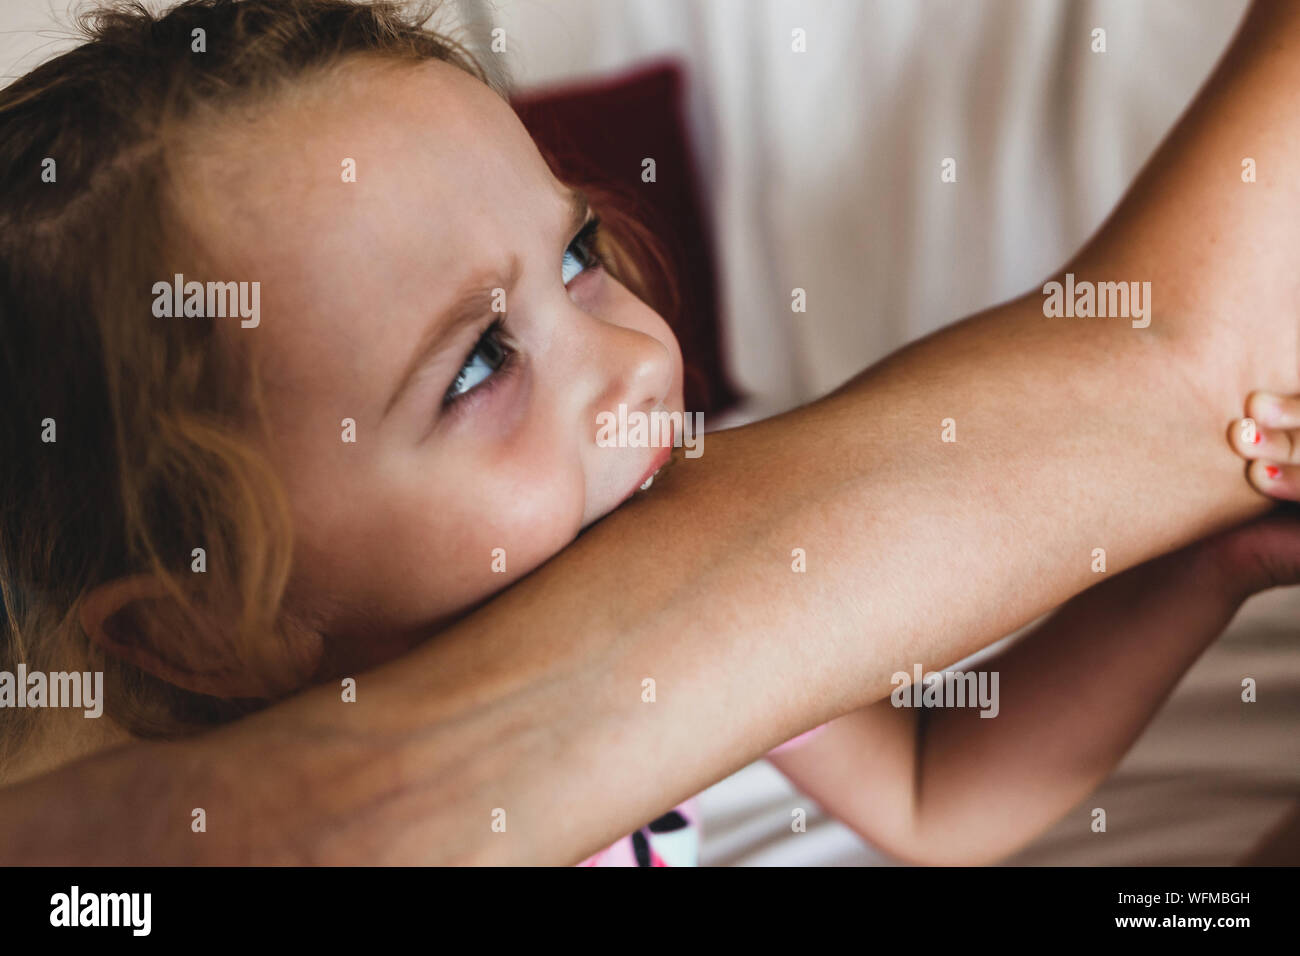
(396, 531)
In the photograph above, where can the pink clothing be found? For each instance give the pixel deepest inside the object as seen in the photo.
(674, 838)
(795, 742)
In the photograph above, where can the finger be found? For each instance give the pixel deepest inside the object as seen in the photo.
(1251, 440)
(1274, 411)
(1275, 479)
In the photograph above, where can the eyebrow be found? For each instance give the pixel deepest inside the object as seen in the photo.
(475, 300)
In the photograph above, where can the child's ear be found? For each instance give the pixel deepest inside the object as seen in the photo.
(137, 620)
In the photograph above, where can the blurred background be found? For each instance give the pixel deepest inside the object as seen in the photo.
(821, 170)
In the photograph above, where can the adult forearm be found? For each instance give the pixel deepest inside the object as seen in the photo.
(917, 551)
(1070, 438)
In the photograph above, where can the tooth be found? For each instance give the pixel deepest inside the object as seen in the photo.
(649, 481)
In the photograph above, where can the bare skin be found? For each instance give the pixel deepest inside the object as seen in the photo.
(1074, 434)
(948, 786)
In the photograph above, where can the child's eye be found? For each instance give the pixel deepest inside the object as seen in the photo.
(490, 354)
(487, 357)
(581, 253)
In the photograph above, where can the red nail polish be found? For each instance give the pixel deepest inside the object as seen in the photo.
(1257, 437)
(1272, 470)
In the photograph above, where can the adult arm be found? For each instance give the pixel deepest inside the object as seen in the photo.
(1072, 434)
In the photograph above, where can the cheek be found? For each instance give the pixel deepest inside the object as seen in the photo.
(532, 511)
(401, 549)
(487, 524)
(623, 308)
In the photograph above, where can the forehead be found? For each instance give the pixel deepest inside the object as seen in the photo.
(446, 178)
(420, 136)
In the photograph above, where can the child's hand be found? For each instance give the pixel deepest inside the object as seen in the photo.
(1269, 437)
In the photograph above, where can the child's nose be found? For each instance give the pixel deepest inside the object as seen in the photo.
(632, 369)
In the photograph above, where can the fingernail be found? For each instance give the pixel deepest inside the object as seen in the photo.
(1272, 471)
(1257, 437)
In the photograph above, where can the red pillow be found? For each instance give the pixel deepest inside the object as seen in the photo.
(600, 131)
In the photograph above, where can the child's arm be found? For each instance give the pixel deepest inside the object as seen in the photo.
(947, 786)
